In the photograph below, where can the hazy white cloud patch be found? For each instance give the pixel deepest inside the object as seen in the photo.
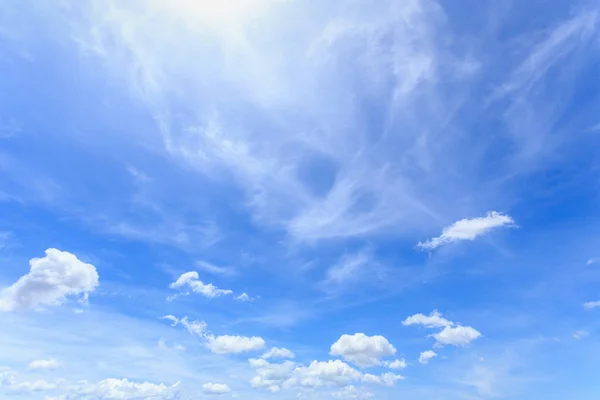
(50, 282)
(468, 229)
(362, 350)
(427, 355)
(215, 388)
(276, 352)
(44, 364)
(591, 304)
(580, 334)
(433, 320)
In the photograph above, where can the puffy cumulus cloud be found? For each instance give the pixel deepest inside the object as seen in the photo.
(44, 364)
(452, 334)
(192, 280)
(215, 388)
(325, 373)
(227, 344)
(50, 281)
(433, 320)
(362, 350)
(468, 229)
(427, 355)
(332, 373)
(276, 352)
(456, 336)
(271, 377)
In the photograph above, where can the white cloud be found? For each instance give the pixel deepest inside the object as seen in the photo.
(396, 364)
(456, 336)
(288, 375)
(468, 229)
(192, 280)
(8, 381)
(591, 304)
(434, 320)
(50, 281)
(427, 355)
(271, 377)
(197, 328)
(44, 364)
(325, 373)
(276, 352)
(215, 388)
(244, 297)
(213, 269)
(353, 393)
(120, 389)
(580, 334)
(592, 261)
(362, 350)
(227, 344)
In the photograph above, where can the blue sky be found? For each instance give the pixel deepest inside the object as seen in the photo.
(299, 199)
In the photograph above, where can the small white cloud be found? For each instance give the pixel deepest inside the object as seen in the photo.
(191, 279)
(44, 364)
(592, 261)
(362, 350)
(50, 281)
(227, 344)
(197, 328)
(244, 297)
(276, 352)
(456, 336)
(396, 364)
(425, 356)
(212, 268)
(580, 334)
(591, 304)
(433, 320)
(215, 388)
(352, 393)
(468, 229)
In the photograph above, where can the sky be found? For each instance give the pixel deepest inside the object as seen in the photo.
(299, 199)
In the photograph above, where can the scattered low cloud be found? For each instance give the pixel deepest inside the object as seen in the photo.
(580, 334)
(196, 328)
(213, 269)
(468, 229)
(215, 388)
(456, 336)
(396, 364)
(362, 350)
(276, 352)
(228, 344)
(50, 281)
(591, 304)
(433, 320)
(191, 279)
(44, 364)
(427, 355)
